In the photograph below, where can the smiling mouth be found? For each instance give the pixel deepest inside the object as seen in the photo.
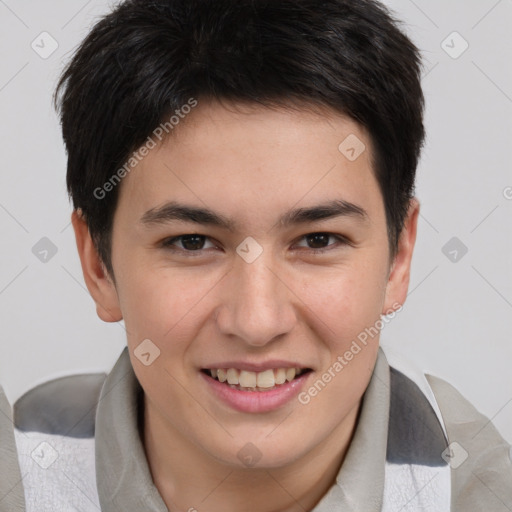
(255, 381)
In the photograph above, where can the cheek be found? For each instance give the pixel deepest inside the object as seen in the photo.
(163, 305)
(347, 301)
(350, 308)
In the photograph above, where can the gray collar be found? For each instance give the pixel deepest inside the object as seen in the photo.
(124, 480)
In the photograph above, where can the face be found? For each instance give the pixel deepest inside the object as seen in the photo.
(258, 289)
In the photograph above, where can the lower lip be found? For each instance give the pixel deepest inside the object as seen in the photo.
(256, 401)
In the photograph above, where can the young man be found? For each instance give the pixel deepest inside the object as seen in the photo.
(242, 175)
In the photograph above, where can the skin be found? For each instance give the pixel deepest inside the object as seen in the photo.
(251, 164)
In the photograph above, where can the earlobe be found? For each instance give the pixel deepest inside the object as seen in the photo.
(398, 281)
(97, 280)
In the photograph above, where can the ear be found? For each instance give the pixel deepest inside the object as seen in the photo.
(98, 282)
(398, 281)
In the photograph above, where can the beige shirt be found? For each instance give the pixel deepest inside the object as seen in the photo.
(101, 464)
(11, 487)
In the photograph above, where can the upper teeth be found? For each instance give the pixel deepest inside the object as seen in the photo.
(266, 379)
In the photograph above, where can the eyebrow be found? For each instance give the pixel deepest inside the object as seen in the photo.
(176, 211)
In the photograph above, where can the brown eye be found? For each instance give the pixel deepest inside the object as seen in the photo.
(189, 243)
(319, 242)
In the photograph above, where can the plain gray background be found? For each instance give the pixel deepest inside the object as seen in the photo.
(457, 320)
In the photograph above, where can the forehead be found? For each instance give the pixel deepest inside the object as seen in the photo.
(227, 155)
(248, 126)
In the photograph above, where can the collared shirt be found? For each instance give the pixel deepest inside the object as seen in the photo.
(90, 456)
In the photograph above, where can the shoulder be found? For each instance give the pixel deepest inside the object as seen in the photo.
(64, 406)
(11, 489)
(54, 431)
(480, 458)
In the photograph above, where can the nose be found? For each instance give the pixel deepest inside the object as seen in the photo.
(257, 302)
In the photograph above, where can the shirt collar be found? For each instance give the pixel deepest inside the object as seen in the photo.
(124, 479)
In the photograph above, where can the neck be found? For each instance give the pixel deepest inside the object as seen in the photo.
(190, 479)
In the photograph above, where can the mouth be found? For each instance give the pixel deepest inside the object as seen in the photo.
(243, 380)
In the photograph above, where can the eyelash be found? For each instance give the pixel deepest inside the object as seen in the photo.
(167, 243)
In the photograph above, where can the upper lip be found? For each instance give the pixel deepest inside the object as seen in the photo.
(255, 367)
